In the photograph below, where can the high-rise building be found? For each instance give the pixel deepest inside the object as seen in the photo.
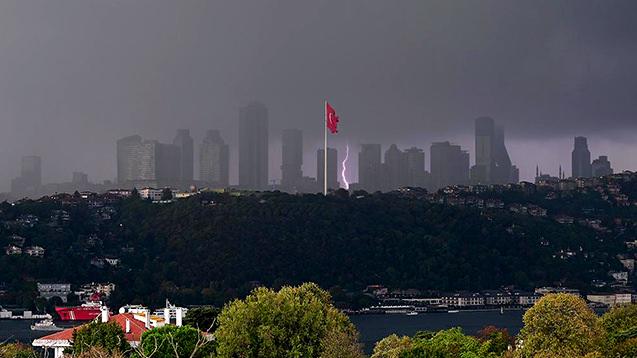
(253, 146)
(416, 174)
(485, 138)
(291, 159)
(581, 159)
(30, 179)
(214, 159)
(394, 169)
(493, 164)
(369, 167)
(31, 171)
(332, 168)
(601, 166)
(449, 165)
(127, 159)
(184, 141)
(147, 162)
(79, 179)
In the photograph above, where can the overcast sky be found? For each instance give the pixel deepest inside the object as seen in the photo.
(75, 75)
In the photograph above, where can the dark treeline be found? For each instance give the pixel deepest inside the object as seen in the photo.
(214, 247)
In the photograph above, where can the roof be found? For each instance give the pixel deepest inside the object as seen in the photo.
(63, 338)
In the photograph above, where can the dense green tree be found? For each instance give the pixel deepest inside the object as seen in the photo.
(178, 342)
(560, 325)
(450, 343)
(293, 322)
(392, 346)
(16, 350)
(203, 318)
(620, 325)
(108, 336)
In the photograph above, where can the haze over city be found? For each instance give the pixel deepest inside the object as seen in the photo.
(79, 75)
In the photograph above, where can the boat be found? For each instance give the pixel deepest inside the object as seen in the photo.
(412, 313)
(46, 325)
(85, 312)
(453, 311)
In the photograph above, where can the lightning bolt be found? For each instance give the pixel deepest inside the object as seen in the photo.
(344, 166)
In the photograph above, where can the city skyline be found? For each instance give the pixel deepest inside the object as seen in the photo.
(418, 74)
(159, 164)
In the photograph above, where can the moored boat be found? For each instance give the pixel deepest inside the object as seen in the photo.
(85, 312)
(46, 325)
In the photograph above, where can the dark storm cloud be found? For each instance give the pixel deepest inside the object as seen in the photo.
(77, 74)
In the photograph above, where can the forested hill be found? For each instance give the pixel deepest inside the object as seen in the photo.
(213, 247)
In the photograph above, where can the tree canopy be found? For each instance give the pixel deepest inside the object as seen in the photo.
(560, 325)
(293, 322)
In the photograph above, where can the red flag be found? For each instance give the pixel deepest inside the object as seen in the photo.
(331, 119)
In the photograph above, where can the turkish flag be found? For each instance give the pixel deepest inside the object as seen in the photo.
(331, 119)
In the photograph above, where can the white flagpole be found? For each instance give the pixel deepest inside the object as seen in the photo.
(325, 149)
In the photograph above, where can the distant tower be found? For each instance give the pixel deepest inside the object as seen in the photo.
(332, 168)
(485, 145)
(127, 159)
(394, 169)
(30, 178)
(253, 146)
(291, 158)
(214, 159)
(493, 164)
(581, 159)
(31, 171)
(415, 158)
(601, 167)
(369, 167)
(184, 141)
(449, 165)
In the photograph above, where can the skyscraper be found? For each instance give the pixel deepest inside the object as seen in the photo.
(449, 165)
(184, 141)
(332, 168)
(493, 164)
(416, 175)
(485, 138)
(601, 167)
(127, 159)
(581, 159)
(214, 159)
(394, 168)
(30, 179)
(369, 167)
(291, 159)
(253, 146)
(147, 162)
